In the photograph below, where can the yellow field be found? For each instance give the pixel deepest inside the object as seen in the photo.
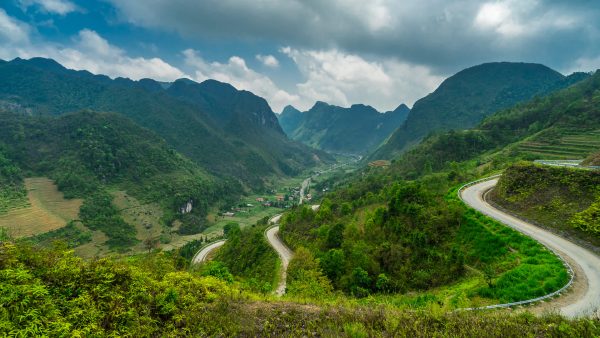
(48, 210)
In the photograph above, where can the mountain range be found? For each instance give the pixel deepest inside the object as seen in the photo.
(354, 130)
(228, 132)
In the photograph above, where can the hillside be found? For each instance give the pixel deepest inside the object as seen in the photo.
(227, 148)
(354, 130)
(53, 293)
(89, 155)
(466, 98)
(593, 159)
(563, 199)
(562, 125)
(250, 119)
(290, 119)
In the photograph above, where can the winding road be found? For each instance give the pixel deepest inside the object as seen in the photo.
(587, 264)
(285, 254)
(204, 252)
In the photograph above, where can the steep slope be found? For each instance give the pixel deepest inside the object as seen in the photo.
(571, 114)
(248, 117)
(354, 130)
(466, 98)
(290, 119)
(565, 200)
(593, 159)
(43, 87)
(88, 154)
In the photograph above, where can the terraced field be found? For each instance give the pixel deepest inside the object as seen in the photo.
(570, 145)
(47, 210)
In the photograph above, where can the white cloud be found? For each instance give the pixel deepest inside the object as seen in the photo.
(585, 64)
(61, 7)
(521, 18)
(344, 79)
(268, 60)
(12, 30)
(93, 53)
(445, 35)
(89, 51)
(237, 73)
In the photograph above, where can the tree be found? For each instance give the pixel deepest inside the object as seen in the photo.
(231, 229)
(333, 264)
(335, 236)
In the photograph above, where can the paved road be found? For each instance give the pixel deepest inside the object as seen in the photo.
(202, 254)
(285, 254)
(588, 302)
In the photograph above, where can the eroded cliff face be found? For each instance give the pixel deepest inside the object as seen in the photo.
(187, 207)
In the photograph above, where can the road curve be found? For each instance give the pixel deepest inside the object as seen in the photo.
(285, 254)
(204, 252)
(589, 301)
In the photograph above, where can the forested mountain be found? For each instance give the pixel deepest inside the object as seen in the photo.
(354, 130)
(562, 125)
(86, 153)
(228, 132)
(466, 98)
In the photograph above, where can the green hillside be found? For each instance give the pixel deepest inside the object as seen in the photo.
(88, 154)
(562, 125)
(565, 200)
(53, 293)
(354, 130)
(43, 87)
(466, 98)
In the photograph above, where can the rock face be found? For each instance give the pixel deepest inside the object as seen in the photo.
(186, 208)
(230, 107)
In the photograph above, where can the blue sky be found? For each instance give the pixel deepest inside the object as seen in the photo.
(377, 52)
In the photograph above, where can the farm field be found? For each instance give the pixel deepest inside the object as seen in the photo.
(566, 145)
(47, 210)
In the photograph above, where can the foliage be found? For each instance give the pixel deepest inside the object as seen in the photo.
(12, 191)
(87, 152)
(248, 255)
(563, 199)
(209, 122)
(99, 213)
(71, 235)
(53, 293)
(466, 98)
(408, 240)
(305, 277)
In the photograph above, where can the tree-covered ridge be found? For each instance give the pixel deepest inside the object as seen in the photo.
(496, 141)
(466, 98)
(42, 86)
(87, 153)
(12, 191)
(404, 244)
(355, 130)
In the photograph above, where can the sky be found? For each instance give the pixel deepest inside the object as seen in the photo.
(377, 52)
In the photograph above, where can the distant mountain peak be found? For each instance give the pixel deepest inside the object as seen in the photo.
(289, 109)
